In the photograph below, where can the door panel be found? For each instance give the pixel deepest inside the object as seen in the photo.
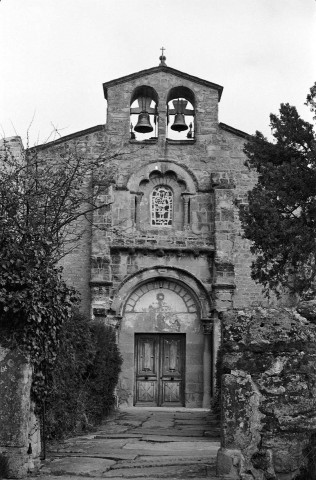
(159, 361)
(146, 369)
(171, 369)
(171, 393)
(147, 347)
(146, 392)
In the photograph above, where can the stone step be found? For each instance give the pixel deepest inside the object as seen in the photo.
(173, 468)
(209, 476)
(170, 471)
(165, 462)
(148, 436)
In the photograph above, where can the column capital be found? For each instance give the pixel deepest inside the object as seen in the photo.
(114, 320)
(207, 324)
(185, 195)
(118, 321)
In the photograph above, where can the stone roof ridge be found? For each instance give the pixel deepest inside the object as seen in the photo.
(162, 68)
(71, 136)
(234, 131)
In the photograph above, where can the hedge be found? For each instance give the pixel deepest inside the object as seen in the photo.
(81, 387)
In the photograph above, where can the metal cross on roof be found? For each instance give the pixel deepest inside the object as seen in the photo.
(162, 57)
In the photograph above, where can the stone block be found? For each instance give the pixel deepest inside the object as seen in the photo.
(268, 397)
(18, 425)
(15, 385)
(228, 463)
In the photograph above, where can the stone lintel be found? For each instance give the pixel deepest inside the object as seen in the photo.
(196, 251)
(180, 142)
(223, 286)
(100, 283)
(148, 141)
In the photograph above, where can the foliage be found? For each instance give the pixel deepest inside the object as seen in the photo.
(104, 372)
(82, 383)
(4, 466)
(280, 218)
(42, 202)
(309, 471)
(44, 194)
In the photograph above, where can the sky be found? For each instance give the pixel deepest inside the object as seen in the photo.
(56, 54)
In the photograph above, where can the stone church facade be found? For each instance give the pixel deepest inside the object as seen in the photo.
(164, 256)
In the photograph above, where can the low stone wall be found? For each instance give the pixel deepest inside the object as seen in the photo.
(268, 395)
(19, 430)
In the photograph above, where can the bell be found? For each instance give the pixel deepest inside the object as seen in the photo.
(143, 125)
(179, 124)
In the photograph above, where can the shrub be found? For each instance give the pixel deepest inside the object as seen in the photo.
(81, 386)
(103, 373)
(4, 466)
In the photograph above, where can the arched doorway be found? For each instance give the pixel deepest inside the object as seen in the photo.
(162, 342)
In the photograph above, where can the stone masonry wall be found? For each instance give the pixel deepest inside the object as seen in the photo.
(268, 395)
(213, 164)
(77, 263)
(208, 179)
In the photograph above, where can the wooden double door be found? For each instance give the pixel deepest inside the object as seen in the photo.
(159, 369)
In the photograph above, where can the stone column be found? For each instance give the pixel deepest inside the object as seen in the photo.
(185, 196)
(138, 199)
(162, 125)
(207, 363)
(216, 344)
(19, 429)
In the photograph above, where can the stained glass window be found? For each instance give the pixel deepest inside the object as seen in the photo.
(161, 206)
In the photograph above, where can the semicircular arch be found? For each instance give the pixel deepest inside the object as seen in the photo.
(189, 286)
(143, 174)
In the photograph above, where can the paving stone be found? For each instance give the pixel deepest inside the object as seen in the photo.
(119, 435)
(167, 453)
(189, 421)
(168, 438)
(190, 446)
(79, 466)
(111, 455)
(157, 424)
(171, 432)
(160, 472)
(93, 446)
(117, 429)
(130, 423)
(74, 477)
(155, 444)
(112, 430)
(163, 460)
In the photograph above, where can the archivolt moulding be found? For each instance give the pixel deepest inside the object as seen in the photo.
(156, 273)
(162, 167)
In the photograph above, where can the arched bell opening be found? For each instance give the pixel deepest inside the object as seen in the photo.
(144, 114)
(180, 114)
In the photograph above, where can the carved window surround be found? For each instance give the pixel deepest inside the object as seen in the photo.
(161, 207)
